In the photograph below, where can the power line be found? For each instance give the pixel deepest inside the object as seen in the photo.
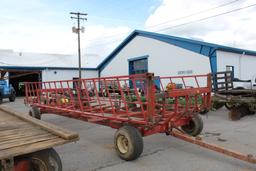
(206, 18)
(114, 19)
(194, 21)
(105, 43)
(176, 19)
(196, 13)
(108, 37)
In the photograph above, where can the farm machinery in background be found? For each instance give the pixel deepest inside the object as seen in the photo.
(136, 105)
(6, 89)
(238, 96)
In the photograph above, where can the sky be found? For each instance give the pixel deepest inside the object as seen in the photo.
(45, 26)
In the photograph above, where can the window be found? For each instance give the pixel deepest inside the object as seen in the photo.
(138, 65)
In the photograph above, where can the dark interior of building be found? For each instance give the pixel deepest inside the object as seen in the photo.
(18, 78)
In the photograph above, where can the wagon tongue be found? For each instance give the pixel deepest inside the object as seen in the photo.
(198, 141)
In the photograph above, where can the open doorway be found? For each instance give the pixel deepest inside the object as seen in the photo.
(17, 79)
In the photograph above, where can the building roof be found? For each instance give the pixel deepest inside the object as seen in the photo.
(38, 61)
(10, 59)
(204, 48)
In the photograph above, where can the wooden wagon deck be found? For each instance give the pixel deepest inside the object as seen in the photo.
(21, 134)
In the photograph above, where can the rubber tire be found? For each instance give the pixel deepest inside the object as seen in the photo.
(217, 105)
(251, 112)
(135, 142)
(244, 109)
(239, 88)
(204, 111)
(228, 106)
(45, 159)
(12, 98)
(35, 113)
(194, 127)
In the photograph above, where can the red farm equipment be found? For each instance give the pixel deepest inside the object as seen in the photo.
(136, 105)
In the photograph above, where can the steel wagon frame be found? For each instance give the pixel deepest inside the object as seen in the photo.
(136, 105)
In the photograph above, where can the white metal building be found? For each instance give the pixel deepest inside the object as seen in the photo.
(140, 52)
(165, 55)
(32, 67)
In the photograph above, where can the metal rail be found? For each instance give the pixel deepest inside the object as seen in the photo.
(142, 101)
(136, 99)
(198, 141)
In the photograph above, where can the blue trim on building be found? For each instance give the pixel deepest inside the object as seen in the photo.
(107, 60)
(43, 68)
(138, 58)
(204, 48)
(213, 61)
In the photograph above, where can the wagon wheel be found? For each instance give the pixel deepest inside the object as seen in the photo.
(12, 97)
(228, 105)
(245, 110)
(203, 111)
(46, 160)
(128, 143)
(251, 112)
(217, 105)
(35, 113)
(194, 126)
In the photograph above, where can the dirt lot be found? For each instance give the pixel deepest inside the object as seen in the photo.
(95, 150)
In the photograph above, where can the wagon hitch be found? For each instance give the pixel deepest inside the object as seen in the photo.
(198, 141)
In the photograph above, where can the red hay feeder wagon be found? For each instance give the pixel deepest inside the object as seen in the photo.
(136, 105)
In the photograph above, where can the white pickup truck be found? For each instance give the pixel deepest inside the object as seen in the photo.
(245, 84)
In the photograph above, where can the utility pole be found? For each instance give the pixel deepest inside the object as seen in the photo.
(78, 16)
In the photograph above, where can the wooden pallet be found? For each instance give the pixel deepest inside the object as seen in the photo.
(21, 134)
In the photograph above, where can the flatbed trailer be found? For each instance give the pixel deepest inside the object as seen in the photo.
(239, 101)
(136, 105)
(26, 143)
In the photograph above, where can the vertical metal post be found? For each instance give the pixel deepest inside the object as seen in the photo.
(209, 85)
(151, 96)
